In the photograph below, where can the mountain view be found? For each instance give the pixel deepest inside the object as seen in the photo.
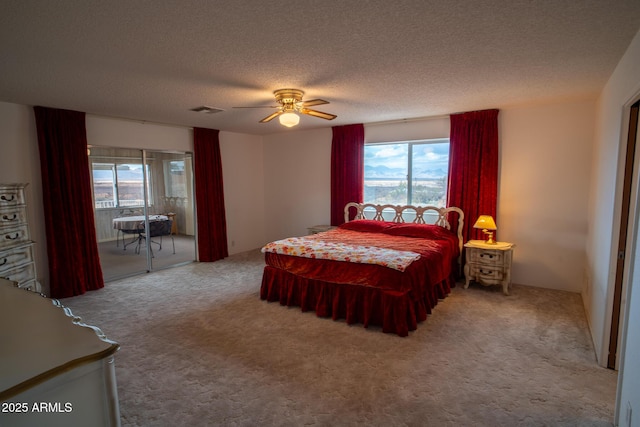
(385, 173)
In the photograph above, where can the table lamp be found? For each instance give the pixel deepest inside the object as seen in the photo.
(488, 226)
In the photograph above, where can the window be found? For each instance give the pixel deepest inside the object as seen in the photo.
(412, 173)
(175, 184)
(118, 185)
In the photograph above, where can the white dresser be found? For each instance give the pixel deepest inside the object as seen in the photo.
(16, 247)
(54, 370)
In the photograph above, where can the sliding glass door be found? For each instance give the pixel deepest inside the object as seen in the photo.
(144, 209)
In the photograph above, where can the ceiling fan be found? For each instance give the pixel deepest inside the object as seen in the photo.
(289, 103)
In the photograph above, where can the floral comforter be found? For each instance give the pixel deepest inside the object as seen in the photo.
(336, 251)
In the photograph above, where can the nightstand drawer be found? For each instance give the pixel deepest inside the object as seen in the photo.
(487, 273)
(487, 257)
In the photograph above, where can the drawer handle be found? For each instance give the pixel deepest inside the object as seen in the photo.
(485, 271)
(490, 256)
(6, 217)
(8, 237)
(5, 199)
(4, 261)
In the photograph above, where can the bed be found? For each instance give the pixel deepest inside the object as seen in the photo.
(386, 266)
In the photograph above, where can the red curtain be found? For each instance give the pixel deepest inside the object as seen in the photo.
(347, 169)
(473, 167)
(212, 223)
(74, 261)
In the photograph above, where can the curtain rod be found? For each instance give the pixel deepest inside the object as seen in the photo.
(415, 119)
(140, 121)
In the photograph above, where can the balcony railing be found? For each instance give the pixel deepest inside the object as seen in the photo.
(105, 204)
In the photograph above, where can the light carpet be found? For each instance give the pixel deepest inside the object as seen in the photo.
(199, 348)
(118, 263)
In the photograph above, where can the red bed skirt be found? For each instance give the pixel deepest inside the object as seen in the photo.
(396, 312)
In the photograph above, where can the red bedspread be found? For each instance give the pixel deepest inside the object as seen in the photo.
(366, 293)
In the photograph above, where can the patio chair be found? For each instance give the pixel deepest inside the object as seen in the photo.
(157, 229)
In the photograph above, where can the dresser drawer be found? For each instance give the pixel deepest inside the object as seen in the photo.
(21, 274)
(15, 257)
(13, 236)
(11, 196)
(13, 216)
(487, 257)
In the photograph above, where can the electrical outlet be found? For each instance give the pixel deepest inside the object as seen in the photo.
(628, 417)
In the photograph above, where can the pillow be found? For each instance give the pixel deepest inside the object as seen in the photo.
(366, 225)
(423, 231)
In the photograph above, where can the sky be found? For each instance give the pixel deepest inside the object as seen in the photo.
(426, 157)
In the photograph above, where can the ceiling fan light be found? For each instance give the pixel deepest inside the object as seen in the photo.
(289, 119)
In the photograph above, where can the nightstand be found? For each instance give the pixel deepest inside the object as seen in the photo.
(320, 228)
(488, 264)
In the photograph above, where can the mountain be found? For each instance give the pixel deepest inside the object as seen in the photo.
(385, 172)
(430, 173)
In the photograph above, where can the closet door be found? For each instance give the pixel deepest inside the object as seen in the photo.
(144, 209)
(118, 181)
(172, 198)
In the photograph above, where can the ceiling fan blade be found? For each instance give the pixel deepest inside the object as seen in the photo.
(271, 117)
(320, 114)
(261, 106)
(313, 102)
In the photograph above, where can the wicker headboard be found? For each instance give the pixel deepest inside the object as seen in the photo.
(400, 212)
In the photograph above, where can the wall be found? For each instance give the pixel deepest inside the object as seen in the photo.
(242, 169)
(545, 164)
(110, 132)
(297, 182)
(409, 130)
(605, 195)
(622, 89)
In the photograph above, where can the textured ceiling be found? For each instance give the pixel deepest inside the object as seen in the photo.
(374, 60)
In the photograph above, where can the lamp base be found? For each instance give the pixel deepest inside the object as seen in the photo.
(489, 240)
